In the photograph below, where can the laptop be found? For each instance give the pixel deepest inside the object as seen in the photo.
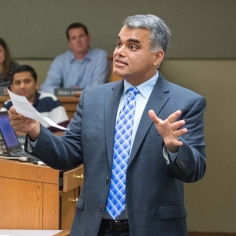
(11, 147)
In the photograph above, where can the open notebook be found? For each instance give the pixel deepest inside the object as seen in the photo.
(10, 146)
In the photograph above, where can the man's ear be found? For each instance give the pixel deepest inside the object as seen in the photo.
(37, 85)
(158, 57)
(69, 45)
(89, 38)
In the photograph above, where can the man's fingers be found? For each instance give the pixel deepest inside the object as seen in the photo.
(12, 110)
(177, 143)
(171, 119)
(174, 116)
(153, 117)
(176, 125)
(180, 132)
(152, 114)
(13, 114)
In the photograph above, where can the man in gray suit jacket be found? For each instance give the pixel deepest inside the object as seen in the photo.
(166, 149)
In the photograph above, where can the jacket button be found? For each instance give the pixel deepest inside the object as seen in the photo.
(107, 180)
(100, 207)
(182, 163)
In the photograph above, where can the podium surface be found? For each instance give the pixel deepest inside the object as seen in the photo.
(33, 233)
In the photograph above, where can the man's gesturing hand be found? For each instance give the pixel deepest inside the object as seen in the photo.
(169, 129)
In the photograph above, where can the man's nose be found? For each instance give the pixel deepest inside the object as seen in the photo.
(120, 51)
(22, 85)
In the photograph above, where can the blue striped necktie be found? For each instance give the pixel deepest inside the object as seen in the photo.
(122, 140)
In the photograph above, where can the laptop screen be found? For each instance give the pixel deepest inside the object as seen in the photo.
(8, 133)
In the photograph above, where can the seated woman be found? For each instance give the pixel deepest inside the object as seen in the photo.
(7, 65)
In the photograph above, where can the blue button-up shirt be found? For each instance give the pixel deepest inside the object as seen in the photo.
(68, 72)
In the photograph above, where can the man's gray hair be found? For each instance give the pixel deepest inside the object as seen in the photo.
(160, 33)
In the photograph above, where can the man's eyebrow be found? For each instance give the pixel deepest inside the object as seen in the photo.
(130, 40)
(133, 40)
(22, 79)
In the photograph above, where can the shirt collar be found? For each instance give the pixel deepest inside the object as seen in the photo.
(145, 88)
(36, 100)
(71, 56)
(88, 56)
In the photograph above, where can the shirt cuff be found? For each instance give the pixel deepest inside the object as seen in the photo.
(169, 156)
(31, 145)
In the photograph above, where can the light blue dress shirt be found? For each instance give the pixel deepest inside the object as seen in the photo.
(145, 90)
(67, 72)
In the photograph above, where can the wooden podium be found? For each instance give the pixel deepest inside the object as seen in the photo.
(35, 232)
(31, 196)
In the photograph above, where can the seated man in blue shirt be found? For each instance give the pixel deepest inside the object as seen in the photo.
(24, 83)
(80, 67)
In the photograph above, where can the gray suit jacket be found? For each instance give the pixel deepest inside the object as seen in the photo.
(154, 195)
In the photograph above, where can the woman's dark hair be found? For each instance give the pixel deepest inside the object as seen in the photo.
(8, 59)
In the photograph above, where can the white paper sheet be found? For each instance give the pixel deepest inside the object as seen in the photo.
(23, 107)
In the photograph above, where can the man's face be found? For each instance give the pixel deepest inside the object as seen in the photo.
(78, 40)
(132, 58)
(2, 54)
(24, 84)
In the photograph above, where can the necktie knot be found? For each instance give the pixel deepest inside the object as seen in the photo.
(133, 91)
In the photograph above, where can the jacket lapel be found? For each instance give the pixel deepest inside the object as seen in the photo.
(157, 100)
(112, 100)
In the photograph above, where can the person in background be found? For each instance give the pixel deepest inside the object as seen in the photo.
(80, 67)
(7, 65)
(24, 83)
(140, 139)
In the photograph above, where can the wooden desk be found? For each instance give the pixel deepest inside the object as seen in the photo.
(30, 197)
(113, 76)
(70, 104)
(3, 99)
